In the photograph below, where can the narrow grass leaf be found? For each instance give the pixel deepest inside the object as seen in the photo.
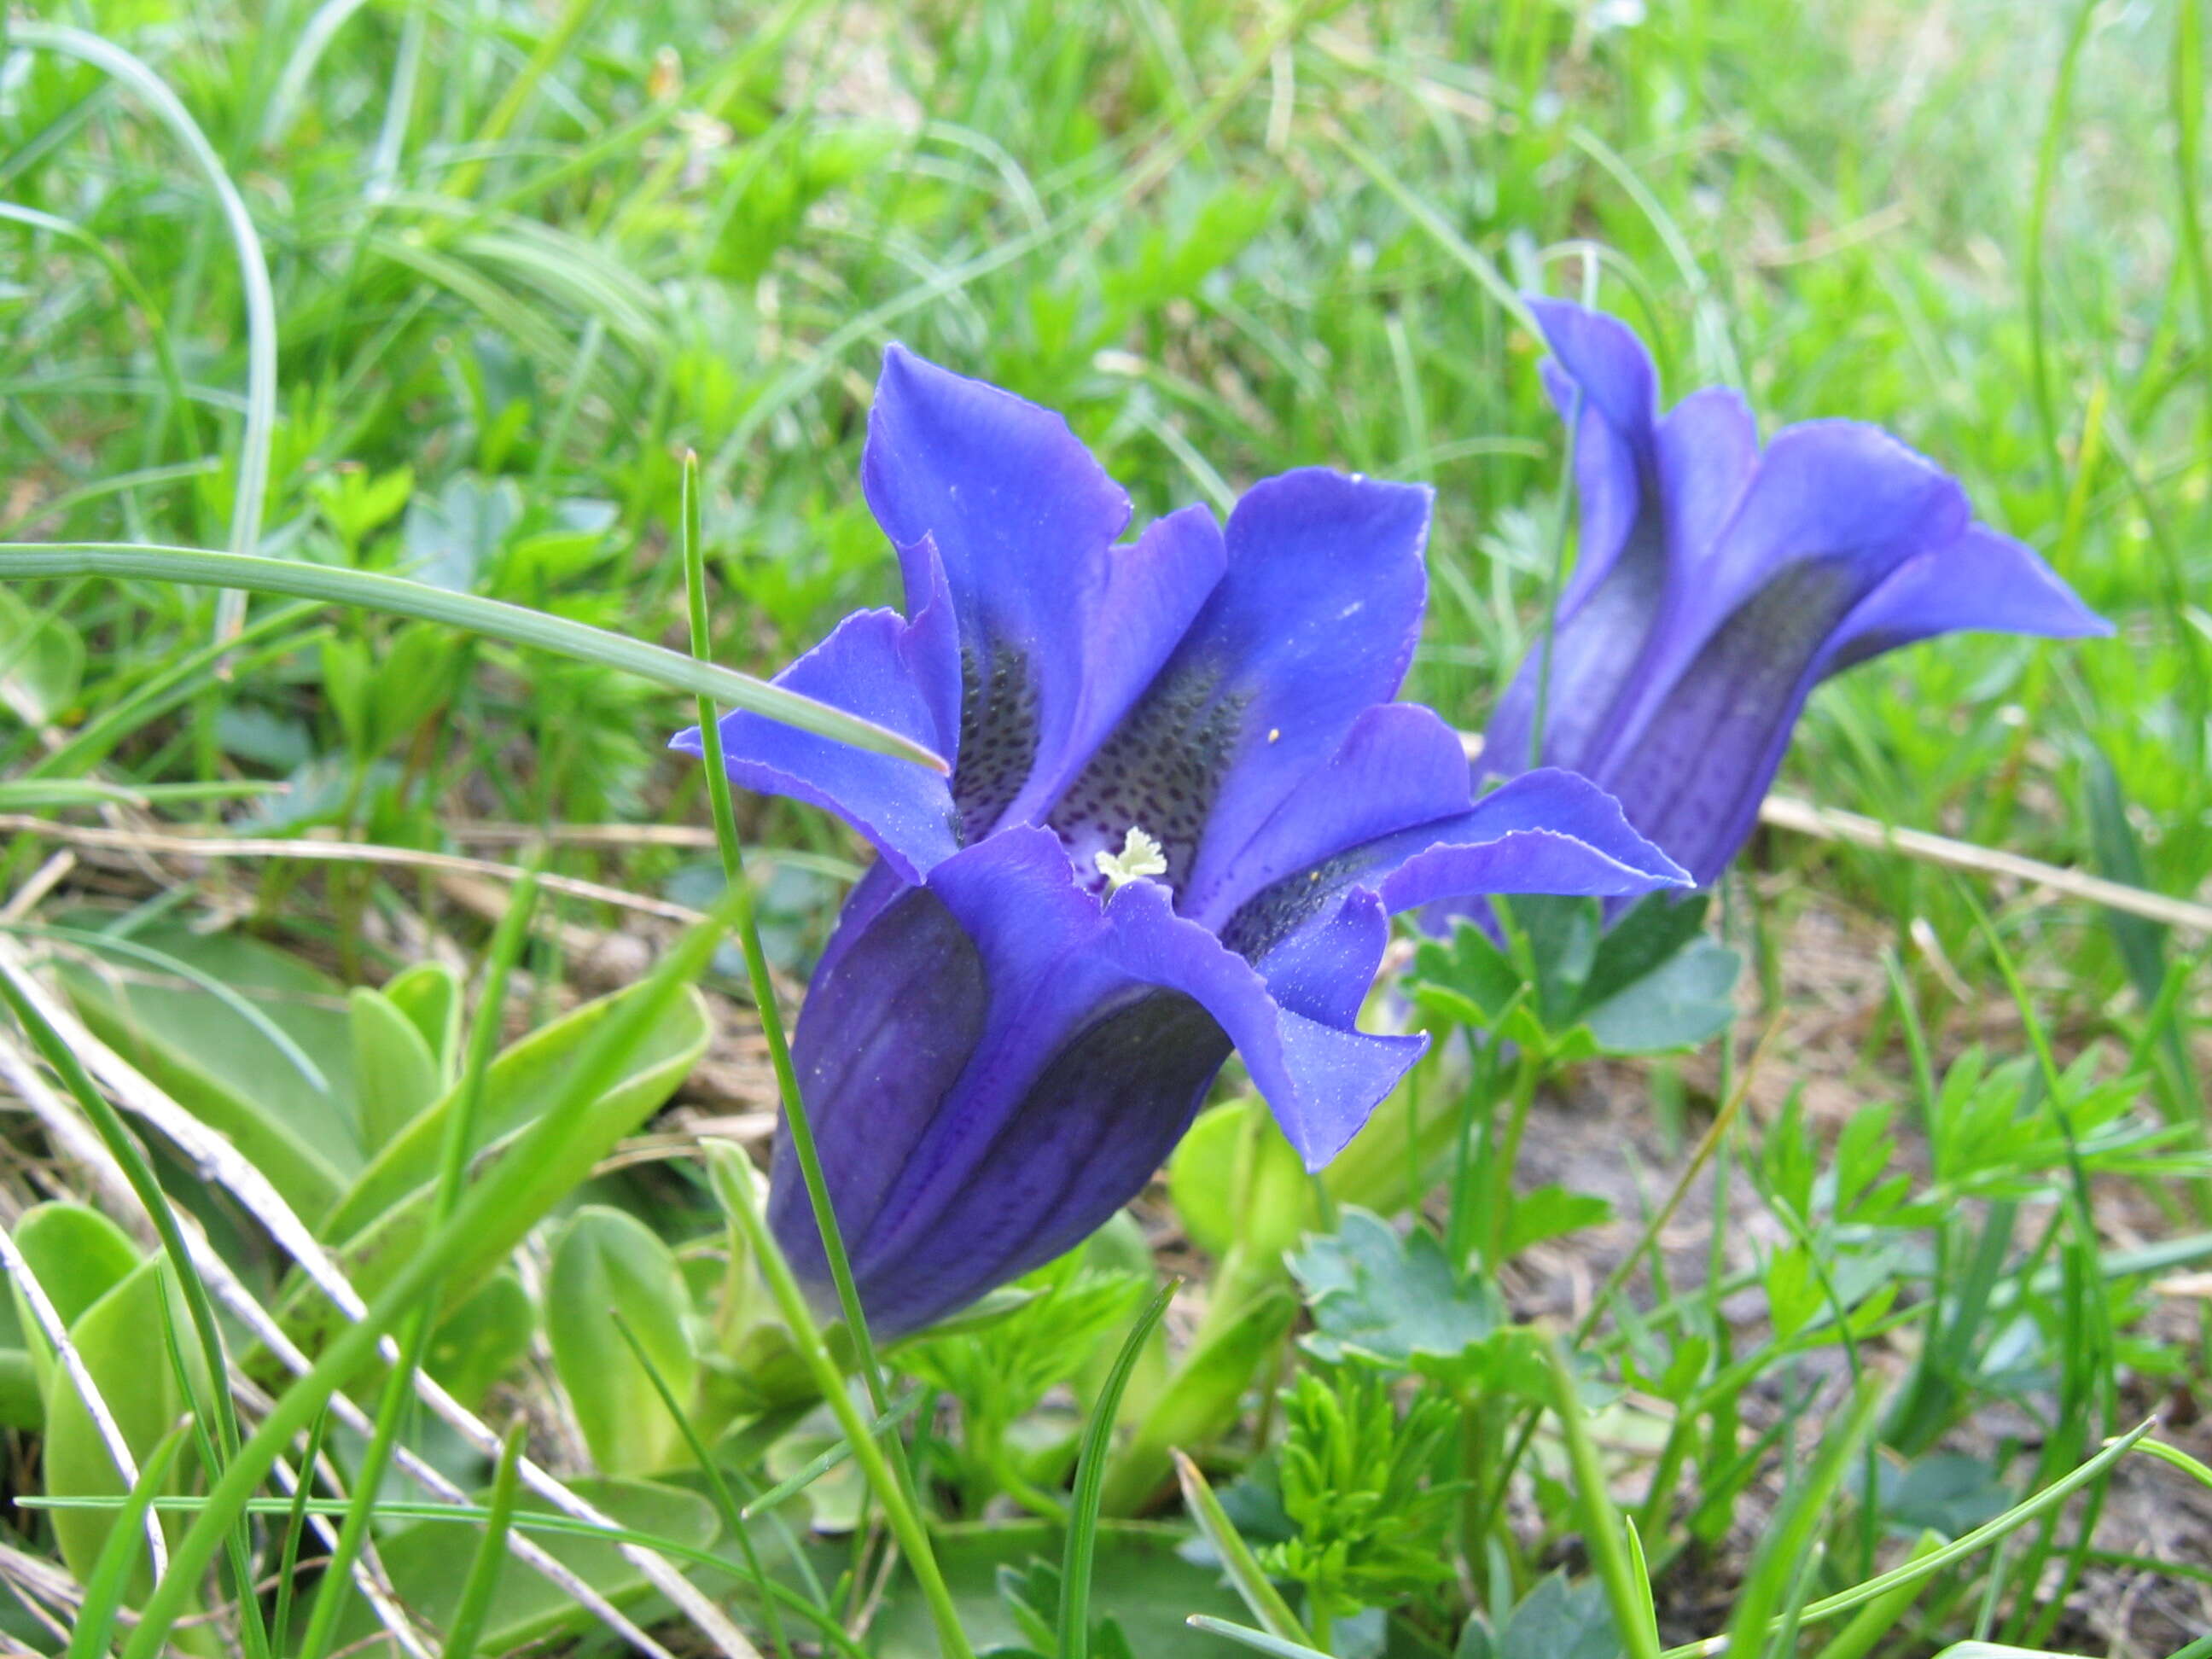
(1090, 1480)
(118, 1557)
(494, 618)
(466, 1629)
(1243, 1569)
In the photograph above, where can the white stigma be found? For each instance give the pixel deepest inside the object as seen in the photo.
(1140, 856)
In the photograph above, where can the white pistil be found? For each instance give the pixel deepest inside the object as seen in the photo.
(1140, 856)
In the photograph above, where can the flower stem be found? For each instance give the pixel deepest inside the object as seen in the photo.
(905, 1520)
(887, 1470)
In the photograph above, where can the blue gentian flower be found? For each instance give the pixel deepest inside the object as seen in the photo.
(1717, 583)
(1182, 805)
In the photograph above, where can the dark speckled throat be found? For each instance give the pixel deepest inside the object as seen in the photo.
(1160, 772)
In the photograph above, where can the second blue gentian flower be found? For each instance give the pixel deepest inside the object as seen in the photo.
(1717, 583)
(1182, 805)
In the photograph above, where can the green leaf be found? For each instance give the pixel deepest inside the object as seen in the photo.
(2141, 942)
(77, 1254)
(482, 1340)
(1395, 1301)
(429, 1564)
(1467, 979)
(516, 1086)
(1556, 1619)
(27, 561)
(225, 1072)
(1552, 1212)
(395, 1075)
(41, 663)
(1650, 935)
(1947, 1493)
(606, 1259)
(356, 502)
(119, 1338)
(1562, 934)
(429, 995)
(1201, 1177)
(118, 1557)
(391, 1202)
(1687, 1000)
(453, 538)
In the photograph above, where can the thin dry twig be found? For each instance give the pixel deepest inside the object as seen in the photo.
(335, 852)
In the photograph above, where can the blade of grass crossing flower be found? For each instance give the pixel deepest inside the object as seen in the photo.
(467, 1627)
(253, 279)
(763, 987)
(1238, 1561)
(494, 618)
(816, 1466)
(1627, 1588)
(118, 1557)
(1914, 1571)
(796, 1123)
(717, 1488)
(506, 945)
(735, 1187)
(510, 1185)
(1090, 1480)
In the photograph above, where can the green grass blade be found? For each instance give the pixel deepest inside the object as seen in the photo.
(717, 1487)
(509, 1185)
(494, 618)
(1268, 1641)
(476, 1590)
(253, 279)
(819, 1465)
(118, 1557)
(1238, 1560)
(1959, 1549)
(506, 945)
(1627, 1589)
(1090, 1480)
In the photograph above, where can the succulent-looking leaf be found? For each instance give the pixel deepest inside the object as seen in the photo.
(606, 1261)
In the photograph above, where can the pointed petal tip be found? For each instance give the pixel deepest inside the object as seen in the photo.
(1605, 360)
(1583, 812)
(688, 742)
